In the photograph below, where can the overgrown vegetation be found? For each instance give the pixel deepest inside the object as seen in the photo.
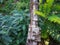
(6, 6)
(50, 19)
(14, 21)
(15, 17)
(13, 29)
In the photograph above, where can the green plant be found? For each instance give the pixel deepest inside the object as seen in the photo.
(6, 6)
(13, 29)
(50, 19)
(22, 5)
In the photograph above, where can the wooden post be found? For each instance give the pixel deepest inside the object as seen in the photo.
(34, 31)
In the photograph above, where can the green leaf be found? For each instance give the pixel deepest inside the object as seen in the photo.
(54, 18)
(40, 13)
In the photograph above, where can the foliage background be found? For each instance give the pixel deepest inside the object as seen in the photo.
(13, 29)
(49, 12)
(15, 18)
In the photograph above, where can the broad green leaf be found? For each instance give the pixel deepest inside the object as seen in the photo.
(40, 13)
(54, 18)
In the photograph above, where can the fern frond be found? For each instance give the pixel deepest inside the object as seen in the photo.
(54, 19)
(40, 13)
